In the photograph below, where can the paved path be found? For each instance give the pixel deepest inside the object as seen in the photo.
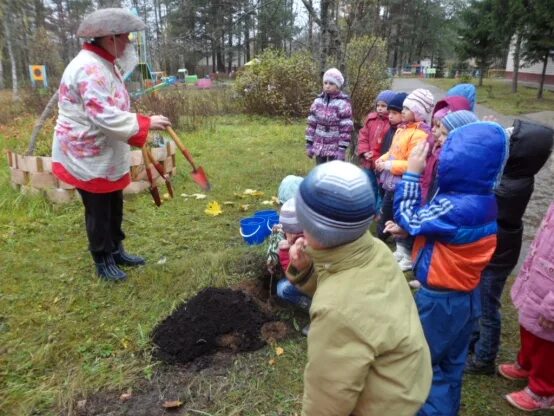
(544, 181)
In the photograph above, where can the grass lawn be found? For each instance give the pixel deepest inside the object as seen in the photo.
(497, 94)
(66, 336)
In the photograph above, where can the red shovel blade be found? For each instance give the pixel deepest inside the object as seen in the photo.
(199, 176)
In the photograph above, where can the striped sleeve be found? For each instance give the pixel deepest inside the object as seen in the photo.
(430, 220)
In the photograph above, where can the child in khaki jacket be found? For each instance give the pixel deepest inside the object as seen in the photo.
(367, 353)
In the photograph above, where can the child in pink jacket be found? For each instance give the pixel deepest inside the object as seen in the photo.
(533, 297)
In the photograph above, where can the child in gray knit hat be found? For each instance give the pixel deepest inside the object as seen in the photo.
(367, 353)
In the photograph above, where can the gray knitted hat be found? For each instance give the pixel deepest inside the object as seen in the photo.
(108, 22)
(335, 204)
(287, 217)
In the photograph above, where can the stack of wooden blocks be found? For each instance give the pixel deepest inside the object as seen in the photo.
(33, 174)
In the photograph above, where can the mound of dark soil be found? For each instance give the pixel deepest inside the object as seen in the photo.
(215, 319)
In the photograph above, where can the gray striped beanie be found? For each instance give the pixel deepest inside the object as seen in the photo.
(287, 218)
(335, 204)
(457, 119)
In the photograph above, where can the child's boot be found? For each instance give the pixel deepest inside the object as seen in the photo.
(106, 268)
(405, 261)
(528, 401)
(122, 258)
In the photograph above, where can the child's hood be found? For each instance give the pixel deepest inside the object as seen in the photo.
(530, 147)
(472, 159)
(453, 103)
(464, 90)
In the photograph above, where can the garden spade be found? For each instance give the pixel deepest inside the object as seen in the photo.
(160, 170)
(198, 175)
(153, 188)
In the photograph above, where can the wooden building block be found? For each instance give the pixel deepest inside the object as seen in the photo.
(43, 180)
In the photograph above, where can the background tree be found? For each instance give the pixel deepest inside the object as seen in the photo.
(479, 38)
(538, 37)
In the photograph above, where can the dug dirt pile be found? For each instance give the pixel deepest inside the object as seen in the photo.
(215, 319)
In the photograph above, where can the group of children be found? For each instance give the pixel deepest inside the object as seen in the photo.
(429, 175)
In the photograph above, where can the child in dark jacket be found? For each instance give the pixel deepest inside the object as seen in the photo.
(330, 122)
(370, 140)
(455, 238)
(395, 119)
(530, 147)
(416, 112)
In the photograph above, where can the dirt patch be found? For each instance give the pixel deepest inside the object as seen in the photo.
(213, 320)
(225, 321)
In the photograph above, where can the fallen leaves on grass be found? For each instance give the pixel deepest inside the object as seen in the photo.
(214, 209)
(172, 404)
(279, 351)
(244, 207)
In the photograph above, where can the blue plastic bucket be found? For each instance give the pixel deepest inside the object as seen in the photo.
(252, 230)
(270, 217)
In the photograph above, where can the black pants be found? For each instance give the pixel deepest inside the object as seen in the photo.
(323, 159)
(387, 212)
(103, 218)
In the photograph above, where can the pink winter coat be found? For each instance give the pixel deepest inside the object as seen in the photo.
(533, 291)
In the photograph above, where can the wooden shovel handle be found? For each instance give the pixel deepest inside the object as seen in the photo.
(181, 147)
(160, 170)
(153, 188)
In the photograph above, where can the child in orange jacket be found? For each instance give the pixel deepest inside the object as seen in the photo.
(416, 111)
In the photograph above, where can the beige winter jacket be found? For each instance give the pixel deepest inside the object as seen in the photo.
(367, 353)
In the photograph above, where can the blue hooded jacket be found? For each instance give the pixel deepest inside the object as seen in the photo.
(456, 231)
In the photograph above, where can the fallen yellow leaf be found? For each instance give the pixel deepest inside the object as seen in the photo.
(166, 196)
(275, 200)
(213, 209)
(244, 207)
(253, 192)
(172, 404)
(271, 361)
(279, 351)
(228, 203)
(267, 202)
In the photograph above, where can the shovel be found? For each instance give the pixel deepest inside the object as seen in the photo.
(153, 188)
(160, 170)
(198, 175)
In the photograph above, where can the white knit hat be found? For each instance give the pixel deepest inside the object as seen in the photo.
(334, 76)
(420, 102)
(287, 217)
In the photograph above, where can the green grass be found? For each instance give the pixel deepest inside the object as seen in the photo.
(65, 335)
(497, 94)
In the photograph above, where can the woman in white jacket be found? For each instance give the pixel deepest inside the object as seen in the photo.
(94, 132)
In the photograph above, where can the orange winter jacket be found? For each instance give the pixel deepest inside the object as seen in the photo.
(407, 137)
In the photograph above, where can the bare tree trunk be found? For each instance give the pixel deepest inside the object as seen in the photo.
(543, 75)
(15, 90)
(517, 50)
(40, 123)
(482, 69)
(310, 28)
(2, 85)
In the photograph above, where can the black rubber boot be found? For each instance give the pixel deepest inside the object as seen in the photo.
(122, 258)
(106, 268)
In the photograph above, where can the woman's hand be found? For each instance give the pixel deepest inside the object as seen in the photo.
(159, 122)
